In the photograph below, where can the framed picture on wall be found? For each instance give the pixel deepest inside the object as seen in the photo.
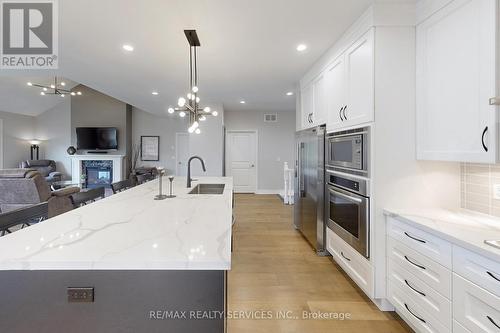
(150, 148)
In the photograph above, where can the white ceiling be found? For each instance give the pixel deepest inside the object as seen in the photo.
(247, 47)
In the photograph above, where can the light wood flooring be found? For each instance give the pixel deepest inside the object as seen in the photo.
(275, 269)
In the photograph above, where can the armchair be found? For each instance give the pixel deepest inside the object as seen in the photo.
(20, 188)
(47, 168)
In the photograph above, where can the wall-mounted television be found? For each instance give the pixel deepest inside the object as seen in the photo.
(96, 138)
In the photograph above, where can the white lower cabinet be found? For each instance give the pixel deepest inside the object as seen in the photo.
(353, 263)
(430, 297)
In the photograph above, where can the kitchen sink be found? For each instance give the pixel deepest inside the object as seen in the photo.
(208, 189)
(494, 243)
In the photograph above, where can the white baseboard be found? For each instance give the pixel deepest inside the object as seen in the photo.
(268, 191)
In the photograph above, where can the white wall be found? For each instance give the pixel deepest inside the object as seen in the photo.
(53, 127)
(275, 144)
(208, 145)
(17, 131)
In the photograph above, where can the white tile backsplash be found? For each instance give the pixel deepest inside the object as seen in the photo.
(477, 185)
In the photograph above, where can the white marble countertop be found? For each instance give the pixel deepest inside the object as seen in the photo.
(131, 231)
(462, 227)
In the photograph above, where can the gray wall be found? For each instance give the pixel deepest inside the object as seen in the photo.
(94, 109)
(53, 127)
(276, 143)
(17, 131)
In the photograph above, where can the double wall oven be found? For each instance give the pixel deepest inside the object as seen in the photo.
(347, 196)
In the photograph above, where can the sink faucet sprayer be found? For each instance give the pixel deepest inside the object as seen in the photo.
(189, 168)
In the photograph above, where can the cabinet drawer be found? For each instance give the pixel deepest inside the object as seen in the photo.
(430, 272)
(430, 300)
(431, 246)
(475, 308)
(354, 264)
(478, 269)
(412, 312)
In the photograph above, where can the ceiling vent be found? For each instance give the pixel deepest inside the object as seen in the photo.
(270, 117)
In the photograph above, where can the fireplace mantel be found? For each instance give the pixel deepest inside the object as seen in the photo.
(118, 165)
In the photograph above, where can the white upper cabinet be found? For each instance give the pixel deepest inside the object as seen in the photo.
(319, 100)
(307, 105)
(359, 81)
(456, 77)
(350, 85)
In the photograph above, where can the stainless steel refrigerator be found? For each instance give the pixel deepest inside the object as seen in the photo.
(309, 189)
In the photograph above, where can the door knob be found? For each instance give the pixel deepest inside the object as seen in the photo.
(252, 165)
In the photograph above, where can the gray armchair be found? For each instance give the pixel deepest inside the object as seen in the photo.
(25, 187)
(47, 169)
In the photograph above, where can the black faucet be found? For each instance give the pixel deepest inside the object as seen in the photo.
(189, 168)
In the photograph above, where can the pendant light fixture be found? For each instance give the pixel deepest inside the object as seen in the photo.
(189, 106)
(57, 88)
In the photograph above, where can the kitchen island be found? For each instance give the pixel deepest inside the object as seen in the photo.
(126, 263)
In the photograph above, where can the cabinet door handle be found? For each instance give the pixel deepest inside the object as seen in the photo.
(414, 238)
(482, 138)
(311, 118)
(493, 276)
(345, 108)
(343, 255)
(415, 290)
(414, 315)
(411, 262)
(493, 322)
(340, 113)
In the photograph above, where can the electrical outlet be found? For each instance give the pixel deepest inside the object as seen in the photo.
(80, 295)
(496, 191)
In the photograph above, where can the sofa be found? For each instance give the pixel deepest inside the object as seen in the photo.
(25, 187)
(47, 169)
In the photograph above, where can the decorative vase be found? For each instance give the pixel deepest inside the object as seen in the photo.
(71, 150)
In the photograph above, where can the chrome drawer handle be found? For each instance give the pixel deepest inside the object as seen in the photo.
(493, 276)
(414, 238)
(414, 315)
(342, 253)
(411, 262)
(415, 290)
(493, 322)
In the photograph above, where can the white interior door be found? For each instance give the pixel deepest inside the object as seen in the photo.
(181, 153)
(241, 160)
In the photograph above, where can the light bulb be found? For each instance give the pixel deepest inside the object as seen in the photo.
(215, 113)
(206, 109)
(45, 89)
(203, 118)
(170, 110)
(29, 84)
(193, 96)
(63, 84)
(62, 95)
(197, 131)
(191, 129)
(52, 86)
(79, 93)
(189, 95)
(73, 93)
(197, 100)
(195, 124)
(182, 114)
(42, 93)
(195, 89)
(181, 102)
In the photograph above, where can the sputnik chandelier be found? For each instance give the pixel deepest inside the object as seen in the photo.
(190, 105)
(56, 88)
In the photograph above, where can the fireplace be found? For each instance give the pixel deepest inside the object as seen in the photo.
(97, 173)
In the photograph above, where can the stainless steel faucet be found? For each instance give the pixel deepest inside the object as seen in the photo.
(189, 168)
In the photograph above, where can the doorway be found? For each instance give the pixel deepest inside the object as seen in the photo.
(181, 153)
(241, 160)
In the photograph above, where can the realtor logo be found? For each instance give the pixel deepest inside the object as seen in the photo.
(29, 34)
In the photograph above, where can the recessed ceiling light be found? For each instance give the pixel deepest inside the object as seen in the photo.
(154, 93)
(128, 47)
(242, 102)
(301, 47)
(290, 93)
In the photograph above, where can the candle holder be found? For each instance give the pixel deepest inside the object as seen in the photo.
(170, 195)
(160, 195)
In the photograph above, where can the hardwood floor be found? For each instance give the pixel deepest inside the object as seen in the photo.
(275, 269)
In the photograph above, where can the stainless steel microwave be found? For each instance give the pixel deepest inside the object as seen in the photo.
(348, 150)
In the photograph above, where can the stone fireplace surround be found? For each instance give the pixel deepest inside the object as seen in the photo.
(117, 160)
